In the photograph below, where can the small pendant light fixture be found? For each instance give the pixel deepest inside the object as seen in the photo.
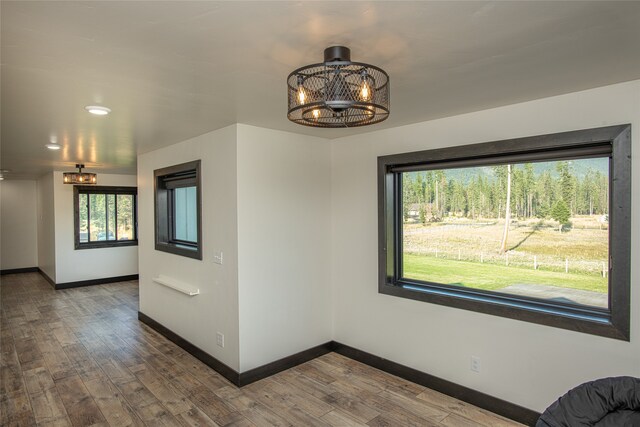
(338, 93)
(81, 178)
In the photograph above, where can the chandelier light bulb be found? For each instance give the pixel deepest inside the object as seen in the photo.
(365, 92)
(365, 88)
(301, 95)
(316, 113)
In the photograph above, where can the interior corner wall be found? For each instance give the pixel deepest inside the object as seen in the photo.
(195, 318)
(523, 363)
(46, 236)
(283, 244)
(73, 265)
(18, 224)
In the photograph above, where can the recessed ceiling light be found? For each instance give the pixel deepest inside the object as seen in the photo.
(97, 110)
(53, 146)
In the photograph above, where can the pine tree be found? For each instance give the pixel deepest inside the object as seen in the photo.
(407, 199)
(507, 214)
(529, 184)
(561, 213)
(567, 182)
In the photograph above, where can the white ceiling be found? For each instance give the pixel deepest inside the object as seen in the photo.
(174, 70)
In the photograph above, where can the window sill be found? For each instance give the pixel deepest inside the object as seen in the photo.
(106, 244)
(178, 249)
(593, 321)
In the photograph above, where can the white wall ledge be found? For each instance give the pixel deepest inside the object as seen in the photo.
(176, 285)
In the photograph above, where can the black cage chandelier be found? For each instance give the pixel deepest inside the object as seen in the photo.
(79, 177)
(338, 93)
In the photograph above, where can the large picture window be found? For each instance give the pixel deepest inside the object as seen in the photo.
(177, 210)
(535, 229)
(104, 216)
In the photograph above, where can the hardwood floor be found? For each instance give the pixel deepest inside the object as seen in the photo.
(80, 357)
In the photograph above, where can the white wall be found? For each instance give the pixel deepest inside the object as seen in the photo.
(74, 265)
(266, 207)
(197, 318)
(283, 244)
(18, 224)
(46, 226)
(524, 363)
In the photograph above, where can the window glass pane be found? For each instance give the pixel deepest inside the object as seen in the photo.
(125, 217)
(97, 217)
(111, 216)
(185, 214)
(84, 218)
(533, 229)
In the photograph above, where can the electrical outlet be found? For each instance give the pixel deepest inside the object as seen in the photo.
(475, 363)
(217, 258)
(220, 339)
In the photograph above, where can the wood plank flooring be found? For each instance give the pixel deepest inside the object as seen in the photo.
(80, 357)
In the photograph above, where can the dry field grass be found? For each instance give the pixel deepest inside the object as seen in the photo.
(585, 245)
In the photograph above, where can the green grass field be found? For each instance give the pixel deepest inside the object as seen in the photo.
(493, 277)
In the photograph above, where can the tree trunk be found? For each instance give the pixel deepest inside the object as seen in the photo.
(507, 214)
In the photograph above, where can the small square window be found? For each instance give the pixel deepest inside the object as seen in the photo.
(178, 210)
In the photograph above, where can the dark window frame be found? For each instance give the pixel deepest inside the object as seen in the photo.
(613, 322)
(103, 189)
(165, 181)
